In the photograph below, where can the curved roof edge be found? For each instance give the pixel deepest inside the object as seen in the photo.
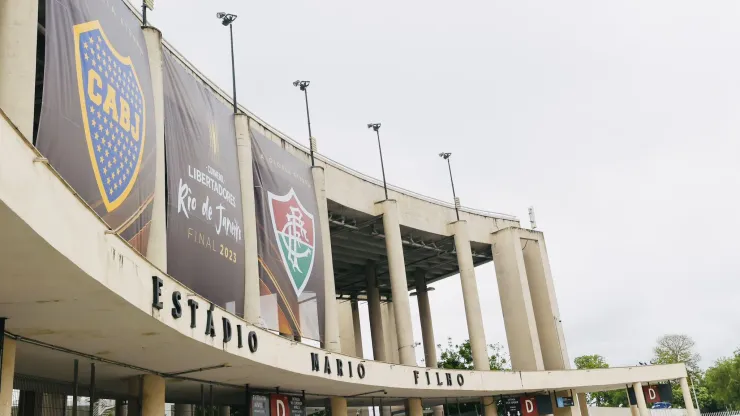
(306, 150)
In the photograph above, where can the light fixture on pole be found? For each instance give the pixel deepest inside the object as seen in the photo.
(303, 85)
(146, 4)
(446, 156)
(227, 19)
(376, 127)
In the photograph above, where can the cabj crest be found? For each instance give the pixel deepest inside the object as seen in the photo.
(113, 112)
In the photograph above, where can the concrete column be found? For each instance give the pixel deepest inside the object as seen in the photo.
(427, 330)
(374, 310)
(356, 326)
(425, 316)
(151, 388)
(583, 404)
(544, 301)
(182, 409)
(224, 411)
(18, 35)
(641, 405)
(346, 328)
(53, 404)
(251, 263)
(338, 406)
(471, 299)
(414, 407)
(399, 284)
(634, 410)
(392, 337)
(121, 408)
(6, 378)
(516, 301)
(331, 324)
(686, 392)
(156, 250)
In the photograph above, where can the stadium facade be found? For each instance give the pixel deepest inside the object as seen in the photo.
(157, 248)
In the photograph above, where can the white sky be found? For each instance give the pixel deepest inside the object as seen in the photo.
(617, 120)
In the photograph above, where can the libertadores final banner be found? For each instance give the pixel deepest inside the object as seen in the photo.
(289, 241)
(205, 238)
(97, 114)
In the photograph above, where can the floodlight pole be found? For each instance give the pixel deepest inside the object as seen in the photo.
(446, 156)
(303, 85)
(376, 127)
(227, 19)
(233, 67)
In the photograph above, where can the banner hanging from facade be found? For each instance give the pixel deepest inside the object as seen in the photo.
(97, 114)
(205, 237)
(289, 242)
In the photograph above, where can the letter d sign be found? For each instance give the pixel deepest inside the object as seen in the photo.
(529, 407)
(278, 405)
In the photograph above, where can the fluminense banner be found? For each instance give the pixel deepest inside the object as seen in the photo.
(97, 115)
(289, 242)
(205, 238)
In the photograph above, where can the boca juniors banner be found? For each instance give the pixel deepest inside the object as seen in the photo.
(97, 119)
(205, 239)
(289, 242)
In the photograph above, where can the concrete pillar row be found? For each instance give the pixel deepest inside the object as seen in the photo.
(151, 388)
(583, 404)
(391, 346)
(374, 310)
(338, 406)
(686, 393)
(471, 300)
(252, 312)
(427, 329)
(182, 409)
(414, 407)
(331, 322)
(516, 301)
(425, 316)
(640, 396)
(356, 326)
(399, 283)
(18, 37)
(157, 245)
(544, 301)
(6, 377)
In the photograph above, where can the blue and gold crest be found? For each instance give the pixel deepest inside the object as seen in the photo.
(113, 112)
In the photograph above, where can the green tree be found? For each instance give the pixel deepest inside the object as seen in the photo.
(460, 356)
(677, 348)
(614, 398)
(723, 380)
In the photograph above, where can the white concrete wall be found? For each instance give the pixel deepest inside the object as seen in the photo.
(123, 281)
(625, 411)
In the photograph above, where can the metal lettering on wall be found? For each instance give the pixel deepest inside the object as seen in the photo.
(96, 125)
(438, 378)
(338, 366)
(206, 320)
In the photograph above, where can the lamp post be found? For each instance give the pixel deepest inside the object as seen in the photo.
(446, 156)
(303, 85)
(227, 19)
(376, 127)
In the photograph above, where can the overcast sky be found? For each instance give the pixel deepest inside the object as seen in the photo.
(619, 121)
